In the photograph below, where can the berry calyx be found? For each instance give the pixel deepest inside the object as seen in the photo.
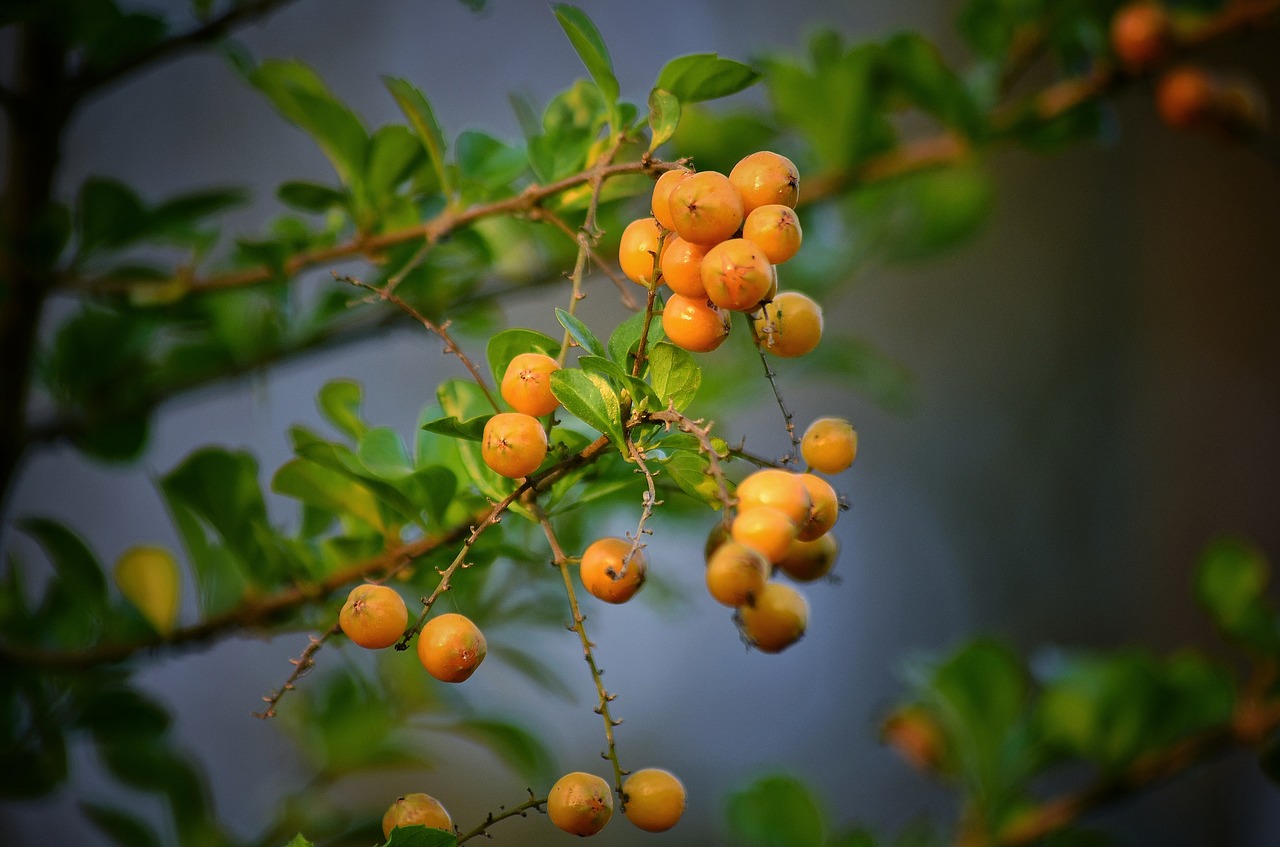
(374, 616)
(514, 444)
(736, 275)
(706, 208)
(580, 803)
(526, 384)
(451, 647)
(790, 325)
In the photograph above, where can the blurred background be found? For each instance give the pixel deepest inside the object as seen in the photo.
(1095, 394)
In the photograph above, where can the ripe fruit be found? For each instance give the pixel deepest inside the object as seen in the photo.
(638, 250)
(374, 616)
(415, 809)
(1140, 35)
(580, 803)
(682, 267)
(654, 799)
(823, 510)
(736, 275)
(148, 578)
(660, 202)
(809, 560)
(783, 490)
(791, 325)
(777, 620)
(766, 529)
(706, 208)
(829, 445)
(775, 229)
(1185, 97)
(605, 576)
(526, 385)
(736, 573)
(694, 324)
(514, 444)
(763, 178)
(451, 647)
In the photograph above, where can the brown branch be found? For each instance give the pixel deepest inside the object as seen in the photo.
(648, 500)
(534, 802)
(701, 432)
(301, 666)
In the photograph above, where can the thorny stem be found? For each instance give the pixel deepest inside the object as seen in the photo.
(534, 802)
(637, 366)
(648, 500)
(301, 665)
(702, 432)
(771, 375)
(584, 243)
(561, 561)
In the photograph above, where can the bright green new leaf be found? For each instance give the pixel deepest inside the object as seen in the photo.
(329, 490)
(776, 811)
(664, 117)
(339, 401)
(421, 836)
(675, 375)
(299, 840)
(471, 429)
(382, 451)
(691, 470)
(420, 114)
(1231, 584)
(591, 399)
(704, 76)
(581, 333)
(591, 49)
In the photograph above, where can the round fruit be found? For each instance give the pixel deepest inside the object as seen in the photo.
(736, 275)
(823, 510)
(580, 803)
(374, 616)
(694, 324)
(660, 202)
(638, 250)
(783, 490)
(763, 178)
(451, 647)
(605, 576)
(682, 267)
(829, 445)
(514, 444)
(416, 809)
(654, 799)
(775, 229)
(1185, 97)
(526, 385)
(1140, 35)
(791, 325)
(777, 620)
(148, 578)
(736, 573)
(766, 529)
(810, 560)
(706, 208)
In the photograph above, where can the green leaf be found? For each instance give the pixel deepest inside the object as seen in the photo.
(78, 570)
(591, 49)
(421, 836)
(120, 826)
(664, 117)
(301, 96)
(423, 119)
(674, 374)
(300, 840)
(506, 345)
(436, 486)
(921, 214)
(691, 470)
(1231, 585)
(920, 74)
(394, 153)
(776, 811)
(519, 748)
(591, 399)
(625, 340)
(311, 196)
(382, 451)
(580, 333)
(488, 164)
(185, 209)
(471, 429)
(329, 490)
(704, 76)
(640, 390)
(339, 401)
(109, 214)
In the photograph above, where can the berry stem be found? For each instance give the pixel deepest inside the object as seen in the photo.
(771, 375)
(648, 501)
(534, 802)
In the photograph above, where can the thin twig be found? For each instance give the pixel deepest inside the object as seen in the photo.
(534, 802)
(648, 500)
(301, 666)
(771, 375)
(701, 432)
(623, 285)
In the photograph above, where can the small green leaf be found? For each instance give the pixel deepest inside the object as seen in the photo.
(394, 154)
(120, 826)
(580, 333)
(776, 811)
(591, 399)
(1231, 585)
(691, 470)
(704, 76)
(423, 118)
(640, 390)
(329, 490)
(664, 117)
(77, 568)
(471, 429)
(109, 214)
(299, 840)
(421, 836)
(591, 49)
(311, 196)
(506, 345)
(487, 163)
(382, 451)
(625, 339)
(339, 401)
(674, 374)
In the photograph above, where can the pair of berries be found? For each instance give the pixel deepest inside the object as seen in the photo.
(450, 646)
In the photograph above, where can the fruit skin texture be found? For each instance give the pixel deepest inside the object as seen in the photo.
(829, 444)
(682, 267)
(736, 573)
(655, 799)
(775, 229)
(1140, 35)
(736, 275)
(374, 616)
(765, 177)
(810, 560)
(706, 208)
(580, 803)
(777, 620)
(526, 384)
(766, 529)
(603, 574)
(637, 249)
(451, 647)
(514, 444)
(791, 325)
(412, 809)
(823, 511)
(148, 578)
(660, 202)
(783, 490)
(693, 324)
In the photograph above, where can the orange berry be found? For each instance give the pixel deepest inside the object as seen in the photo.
(374, 616)
(809, 560)
(736, 275)
(514, 444)
(415, 810)
(706, 208)
(763, 178)
(829, 445)
(776, 621)
(783, 490)
(653, 799)
(526, 384)
(1140, 35)
(694, 324)
(451, 647)
(1185, 97)
(605, 575)
(580, 803)
(638, 250)
(660, 202)
(765, 529)
(736, 573)
(775, 229)
(824, 508)
(790, 326)
(682, 267)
